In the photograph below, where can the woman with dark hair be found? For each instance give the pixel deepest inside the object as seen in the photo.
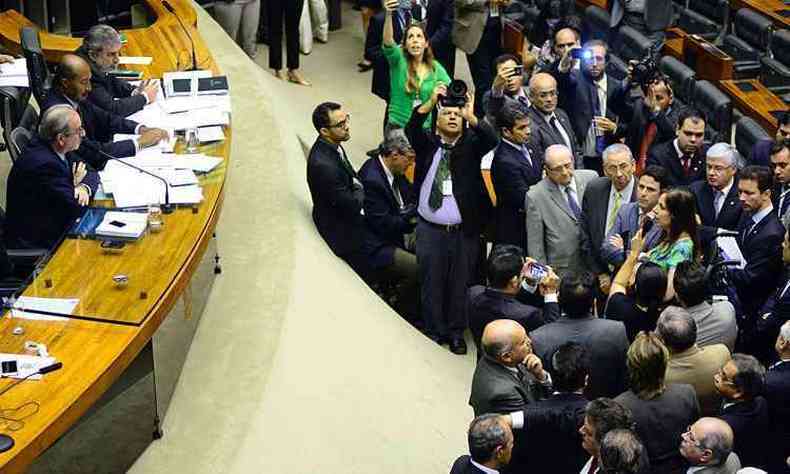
(676, 214)
(414, 73)
(661, 411)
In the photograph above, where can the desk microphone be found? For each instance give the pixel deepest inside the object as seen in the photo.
(7, 442)
(172, 10)
(167, 208)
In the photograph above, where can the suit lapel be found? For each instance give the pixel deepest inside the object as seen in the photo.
(559, 199)
(383, 176)
(730, 203)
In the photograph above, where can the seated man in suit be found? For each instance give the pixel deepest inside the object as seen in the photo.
(761, 151)
(683, 157)
(603, 199)
(601, 416)
(101, 49)
(514, 169)
(707, 447)
(552, 425)
(490, 446)
(46, 190)
(509, 376)
(550, 125)
(71, 86)
(780, 163)
(508, 86)
(760, 236)
(605, 340)
(740, 383)
(390, 214)
(594, 125)
(498, 299)
(554, 211)
(777, 393)
(689, 363)
(718, 206)
(633, 215)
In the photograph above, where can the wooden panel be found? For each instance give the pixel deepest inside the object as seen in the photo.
(711, 63)
(757, 103)
(161, 265)
(776, 10)
(583, 4)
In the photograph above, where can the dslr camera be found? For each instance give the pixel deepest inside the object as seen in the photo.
(456, 94)
(645, 71)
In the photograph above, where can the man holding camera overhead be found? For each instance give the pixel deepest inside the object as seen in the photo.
(452, 207)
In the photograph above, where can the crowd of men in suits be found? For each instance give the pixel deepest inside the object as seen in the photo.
(579, 162)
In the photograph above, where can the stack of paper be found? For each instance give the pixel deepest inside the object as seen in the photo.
(130, 187)
(210, 134)
(127, 225)
(14, 74)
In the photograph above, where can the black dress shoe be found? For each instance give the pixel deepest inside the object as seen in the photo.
(458, 345)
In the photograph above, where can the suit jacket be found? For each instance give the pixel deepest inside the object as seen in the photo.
(641, 118)
(777, 393)
(488, 304)
(100, 126)
(762, 249)
(761, 153)
(657, 15)
(594, 219)
(626, 225)
(495, 389)
(463, 465)
(512, 175)
(749, 422)
(110, 93)
(469, 23)
(40, 198)
(731, 466)
(385, 221)
(439, 27)
(731, 211)
(468, 187)
(337, 201)
(493, 104)
(543, 135)
(773, 314)
(666, 155)
(380, 82)
(696, 367)
(552, 231)
(605, 341)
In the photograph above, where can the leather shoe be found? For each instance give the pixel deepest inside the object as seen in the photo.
(458, 345)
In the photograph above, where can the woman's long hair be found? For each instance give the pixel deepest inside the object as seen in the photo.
(412, 79)
(682, 208)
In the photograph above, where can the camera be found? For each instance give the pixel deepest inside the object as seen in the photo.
(579, 53)
(456, 94)
(645, 71)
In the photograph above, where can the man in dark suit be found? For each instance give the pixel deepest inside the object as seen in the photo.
(453, 207)
(508, 87)
(549, 124)
(761, 151)
(774, 313)
(740, 383)
(46, 190)
(490, 446)
(438, 18)
(718, 205)
(777, 392)
(101, 49)
(593, 99)
(603, 199)
(390, 214)
(760, 236)
(605, 340)
(513, 170)
(498, 299)
(71, 86)
(649, 17)
(683, 157)
(337, 193)
(780, 163)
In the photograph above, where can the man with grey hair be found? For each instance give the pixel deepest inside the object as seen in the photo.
(101, 48)
(777, 392)
(623, 452)
(490, 446)
(45, 190)
(554, 212)
(390, 216)
(707, 446)
(718, 205)
(689, 363)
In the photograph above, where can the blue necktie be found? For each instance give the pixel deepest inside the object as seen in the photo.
(572, 203)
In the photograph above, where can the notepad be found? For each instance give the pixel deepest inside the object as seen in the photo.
(210, 134)
(127, 225)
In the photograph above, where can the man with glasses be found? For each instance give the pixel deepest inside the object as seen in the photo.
(718, 205)
(707, 446)
(337, 193)
(46, 190)
(550, 125)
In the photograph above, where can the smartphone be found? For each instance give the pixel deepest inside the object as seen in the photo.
(8, 367)
(113, 244)
(576, 53)
(536, 272)
(518, 71)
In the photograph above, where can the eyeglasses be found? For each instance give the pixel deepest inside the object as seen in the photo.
(622, 167)
(560, 168)
(547, 94)
(342, 124)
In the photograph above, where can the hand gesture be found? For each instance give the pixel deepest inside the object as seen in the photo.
(150, 90)
(502, 78)
(78, 173)
(535, 366)
(391, 5)
(567, 61)
(82, 195)
(637, 242)
(439, 90)
(468, 112)
(550, 283)
(4, 58)
(605, 124)
(604, 283)
(152, 136)
(616, 241)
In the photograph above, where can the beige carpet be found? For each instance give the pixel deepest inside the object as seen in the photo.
(297, 367)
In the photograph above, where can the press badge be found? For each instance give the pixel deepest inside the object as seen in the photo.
(447, 187)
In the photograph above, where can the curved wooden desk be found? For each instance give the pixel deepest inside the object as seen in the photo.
(159, 266)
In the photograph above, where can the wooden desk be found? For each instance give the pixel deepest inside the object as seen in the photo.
(583, 4)
(774, 9)
(711, 63)
(159, 266)
(757, 104)
(675, 39)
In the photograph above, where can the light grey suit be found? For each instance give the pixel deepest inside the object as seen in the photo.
(469, 23)
(731, 466)
(553, 233)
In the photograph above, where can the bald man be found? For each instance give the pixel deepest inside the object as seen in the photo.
(554, 212)
(549, 124)
(71, 86)
(509, 376)
(707, 446)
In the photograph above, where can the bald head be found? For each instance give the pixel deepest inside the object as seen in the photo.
(708, 442)
(501, 340)
(543, 92)
(73, 77)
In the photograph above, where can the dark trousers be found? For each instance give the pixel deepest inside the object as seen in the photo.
(291, 12)
(481, 62)
(446, 261)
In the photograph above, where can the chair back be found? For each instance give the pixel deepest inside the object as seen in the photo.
(19, 139)
(635, 45)
(717, 107)
(596, 23)
(38, 74)
(747, 134)
(681, 77)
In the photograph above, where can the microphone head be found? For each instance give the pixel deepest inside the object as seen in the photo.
(50, 368)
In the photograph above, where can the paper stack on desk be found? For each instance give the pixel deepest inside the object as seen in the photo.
(14, 74)
(130, 187)
(126, 225)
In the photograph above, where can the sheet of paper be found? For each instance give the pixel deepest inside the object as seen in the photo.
(51, 305)
(163, 146)
(210, 134)
(27, 364)
(144, 60)
(14, 81)
(18, 67)
(729, 246)
(197, 162)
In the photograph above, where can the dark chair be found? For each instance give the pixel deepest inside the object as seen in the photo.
(616, 67)
(747, 134)
(13, 105)
(681, 78)
(596, 23)
(717, 107)
(18, 140)
(748, 42)
(775, 72)
(40, 78)
(633, 44)
(707, 18)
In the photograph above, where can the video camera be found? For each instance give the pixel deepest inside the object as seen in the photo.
(645, 71)
(456, 94)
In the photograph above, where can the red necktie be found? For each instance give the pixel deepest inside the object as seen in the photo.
(647, 140)
(686, 165)
(593, 466)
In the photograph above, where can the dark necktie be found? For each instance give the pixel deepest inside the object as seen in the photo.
(555, 123)
(346, 164)
(686, 162)
(572, 203)
(442, 173)
(593, 466)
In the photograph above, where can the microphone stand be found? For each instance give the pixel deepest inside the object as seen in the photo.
(6, 441)
(172, 10)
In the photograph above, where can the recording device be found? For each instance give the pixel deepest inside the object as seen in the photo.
(456, 94)
(579, 53)
(645, 71)
(518, 71)
(112, 244)
(536, 272)
(172, 10)
(8, 367)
